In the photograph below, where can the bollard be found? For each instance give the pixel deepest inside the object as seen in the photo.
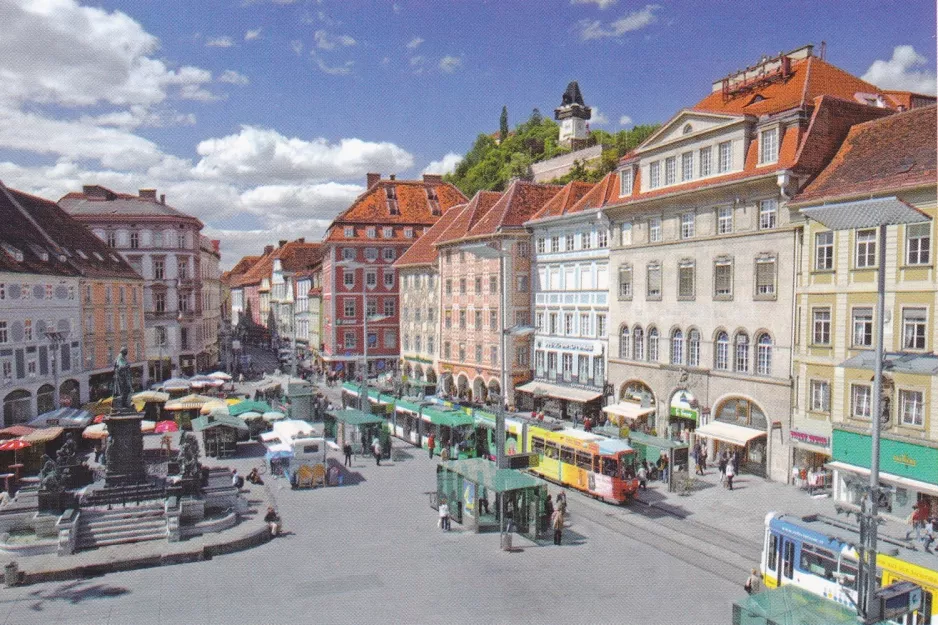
(11, 574)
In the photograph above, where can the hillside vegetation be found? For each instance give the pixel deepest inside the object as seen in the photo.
(491, 163)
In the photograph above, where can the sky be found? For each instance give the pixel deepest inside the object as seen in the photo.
(262, 117)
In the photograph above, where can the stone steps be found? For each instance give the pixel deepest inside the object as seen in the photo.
(93, 543)
(99, 527)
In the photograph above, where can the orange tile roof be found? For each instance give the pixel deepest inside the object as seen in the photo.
(231, 276)
(883, 155)
(423, 252)
(519, 202)
(293, 255)
(479, 205)
(563, 202)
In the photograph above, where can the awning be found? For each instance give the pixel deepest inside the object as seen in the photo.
(447, 418)
(214, 421)
(729, 432)
(44, 435)
(628, 410)
(356, 417)
(15, 431)
(559, 392)
(485, 474)
(895, 362)
(63, 417)
(905, 482)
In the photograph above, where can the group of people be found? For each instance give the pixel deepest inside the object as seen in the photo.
(923, 522)
(729, 468)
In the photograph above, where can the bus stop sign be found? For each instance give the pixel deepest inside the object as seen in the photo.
(523, 461)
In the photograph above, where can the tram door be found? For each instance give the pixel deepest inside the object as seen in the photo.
(787, 561)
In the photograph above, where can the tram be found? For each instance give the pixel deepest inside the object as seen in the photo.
(594, 464)
(819, 554)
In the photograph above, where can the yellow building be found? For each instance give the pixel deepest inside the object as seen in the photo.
(881, 162)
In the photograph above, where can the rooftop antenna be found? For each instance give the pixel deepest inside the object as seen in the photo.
(823, 50)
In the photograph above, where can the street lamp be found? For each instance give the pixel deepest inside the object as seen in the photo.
(57, 339)
(878, 213)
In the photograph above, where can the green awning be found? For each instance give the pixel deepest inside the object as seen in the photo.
(484, 473)
(789, 605)
(448, 418)
(355, 417)
(207, 422)
(248, 406)
(408, 405)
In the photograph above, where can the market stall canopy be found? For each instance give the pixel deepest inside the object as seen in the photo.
(273, 415)
(279, 450)
(174, 384)
(151, 396)
(248, 406)
(218, 405)
(484, 473)
(63, 417)
(559, 392)
(250, 414)
(220, 375)
(189, 402)
(208, 422)
(628, 410)
(15, 431)
(356, 417)
(44, 435)
(95, 431)
(612, 446)
(729, 433)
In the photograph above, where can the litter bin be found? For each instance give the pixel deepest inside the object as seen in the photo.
(506, 541)
(11, 574)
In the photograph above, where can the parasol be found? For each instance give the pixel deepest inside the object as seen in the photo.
(273, 415)
(163, 427)
(14, 445)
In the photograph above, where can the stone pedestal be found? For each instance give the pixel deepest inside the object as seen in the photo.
(125, 464)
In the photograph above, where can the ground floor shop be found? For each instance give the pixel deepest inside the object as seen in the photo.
(810, 454)
(560, 401)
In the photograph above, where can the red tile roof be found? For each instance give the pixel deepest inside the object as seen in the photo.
(423, 252)
(563, 202)
(885, 155)
(95, 201)
(232, 275)
(413, 206)
(519, 202)
(479, 205)
(293, 255)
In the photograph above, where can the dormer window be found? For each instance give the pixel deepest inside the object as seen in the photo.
(408, 233)
(391, 192)
(370, 232)
(625, 182)
(349, 232)
(434, 201)
(768, 146)
(388, 232)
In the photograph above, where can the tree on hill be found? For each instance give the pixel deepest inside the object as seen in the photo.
(503, 124)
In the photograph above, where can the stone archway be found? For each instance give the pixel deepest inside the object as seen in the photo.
(495, 388)
(45, 399)
(636, 390)
(406, 368)
(17, 407)
(70, 394)
(479, 390)
(418, 372)
(431, 376)
(462, 386)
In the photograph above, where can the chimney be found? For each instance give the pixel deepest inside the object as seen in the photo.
(268, 249)
(162, 198)
(433, 178)
(281, 243)
(301, 240)
(392, 177)
(216, 245)
(148, 194)
(96, 192)
(372, 179)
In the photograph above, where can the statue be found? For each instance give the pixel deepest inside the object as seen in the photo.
(65, 456)
(188, 456)
(123, 384)
(49, 475)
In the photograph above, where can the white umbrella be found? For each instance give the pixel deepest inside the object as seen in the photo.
(273, 415)
(220, 375)
(250, 414)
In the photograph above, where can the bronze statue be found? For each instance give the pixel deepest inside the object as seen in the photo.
(49, 475)
(123, 384)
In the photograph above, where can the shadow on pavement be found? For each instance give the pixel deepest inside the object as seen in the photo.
(75, 592)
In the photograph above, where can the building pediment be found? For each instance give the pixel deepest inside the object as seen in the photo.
(688, 125)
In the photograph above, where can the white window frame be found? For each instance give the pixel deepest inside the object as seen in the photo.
(824, 251)
(819, 392)
(687, 166)
(626, 179)
(918, 244)
(820, 327)
(865, 252)
(766, 290)
(705, 161)
(861, 401)
(861, 326)
(768, 145)
(768, 214)
(725, 220)
(724, 157)
(914, 329)
(625, 234)
(911, 407)
(688, 225)
(653, 294)
(654, 175)
(625, 282)
(654, 230)
(670, 170)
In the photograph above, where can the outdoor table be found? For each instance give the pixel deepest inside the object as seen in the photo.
(6, 480)
(16, 469)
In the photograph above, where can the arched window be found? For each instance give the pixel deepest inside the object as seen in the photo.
(693, 348)
(741, 360)
(624, 346)
(722, 354)
(764, 354)
(677, 347)
(653, 344)
(638, 343)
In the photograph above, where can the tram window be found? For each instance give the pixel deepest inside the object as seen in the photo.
(849, 575)
(610, 466)
(550, 450)
(537, 445)
(788, 559)
(584, 461)
(566, 455)
(773, 551)
(817, 561)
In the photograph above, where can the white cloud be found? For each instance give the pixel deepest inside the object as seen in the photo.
(414, 43)
(416, 63)
(625, 120)
(326, 41)
(901, 73)
(445, 165)
(140, 116)
(594, 29)
(296, 46)
(449, 64)
(219, 42)
(602, 4)
(265, 155)
(396, 8)
(334, 70)
(598, 118)
(251, 35)
(233, 77)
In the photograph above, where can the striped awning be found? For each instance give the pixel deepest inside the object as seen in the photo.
(44, 435)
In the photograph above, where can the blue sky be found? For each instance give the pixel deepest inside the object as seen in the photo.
(262, 117)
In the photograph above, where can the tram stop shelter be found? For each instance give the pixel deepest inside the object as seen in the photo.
(467, 485)
(356, 427)
(651, 448)
(790, 605)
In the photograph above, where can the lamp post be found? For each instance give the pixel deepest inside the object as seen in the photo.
(57, 339)
(878, 213)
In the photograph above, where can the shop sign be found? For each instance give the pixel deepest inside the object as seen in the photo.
(587, 347)
(813, 439)
(684, 405)
(900, 458)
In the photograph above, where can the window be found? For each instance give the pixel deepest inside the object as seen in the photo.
(349, 232)
(371, 254)
(570, 244)
(654, 175)
(4, 332)
(183, 303)
(541, 245)
(568, 324)
(586, 240)
(552, 364)
(8, 370)
(625, 282)
(446, 349)
(348, 253)
(768, 214)
(462, 353)
(741, 361)
(555, 244)
(478, 286)
(861, 401)
(554, 328)
(372, 339)
(821, 323)
(725, 156)
(693, 348)
(349, 340)
(583, 368)
(449, 286)
(478, 353)
(625, 182)
(111, 239)
(539, 321)
(159, 302)
(493, 355)
(348, 278)
(654, 229)
(134, 240)
(705, 161)
(824, 251)
(670, 170)
(820, 396)
(388, 254)
(370, 232)
(348, 307)
(566, 363)
(765, 277)
(493, 284)
(602, 238)
(653, 344)
(493, 320)
(722, 352)
(522, 284)
(911, 408)
(625, 237)
(430, 345)
(478, 319)
(764, 354)
(389, 279)
(913, 328)
(866, 249)
(447, 318)
(677, 347)
(624, 343)
(638, 343)
(725, 220)
(687, 166)
(685, 280)
(654, 281)
(462, 319)
(722, 279)
(768, 146)
(371, 279)
(371, 308)
(462, 286)
(387, 232)
(918, 244)
(862, 327)
(585, 324)
(431, 313)
(408, 233)
(389, 307)
(601, 326)
(158, 269)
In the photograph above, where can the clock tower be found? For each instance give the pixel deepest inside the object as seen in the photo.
(573, 115)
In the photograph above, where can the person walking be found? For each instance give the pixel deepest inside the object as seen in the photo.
(548, 511)
(917, 520)
(663, 468)
(753, 583)
(376, 450)
(730, 474)
(431, 441)
(556, 522)
(347, 450)
(642, 475)
(444, 516)
(931, 531)
(722, 465)
(562, 502)
(698, 459)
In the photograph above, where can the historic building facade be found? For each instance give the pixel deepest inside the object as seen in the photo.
(211, 292)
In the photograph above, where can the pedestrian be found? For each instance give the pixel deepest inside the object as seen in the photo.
(556, 522)
(730, 474)
(931, 530)
(444, 516)
(241, 378)
(663, 468)
(753, 583)
(588, 425)
(722, 458)
(643, 475)
(376, 450)
(548, 511)
(431, 441)
(562, 502)
(917, 520)
(272, 519)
